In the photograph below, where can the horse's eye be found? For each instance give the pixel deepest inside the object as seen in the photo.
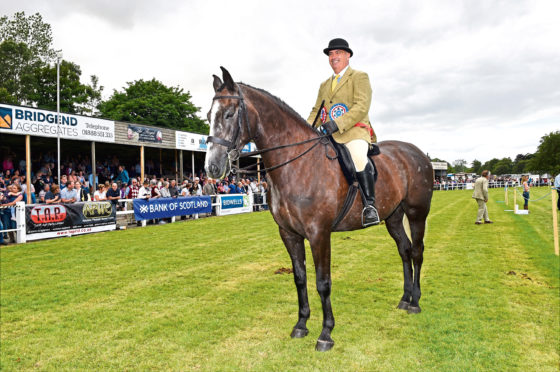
(229, 115)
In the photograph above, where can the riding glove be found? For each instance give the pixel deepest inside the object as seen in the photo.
(329, 127)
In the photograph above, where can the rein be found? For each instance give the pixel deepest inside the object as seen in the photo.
(234, 151)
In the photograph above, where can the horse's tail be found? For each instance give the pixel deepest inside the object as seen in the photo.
(406, 225)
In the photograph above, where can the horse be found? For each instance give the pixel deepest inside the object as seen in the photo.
(307, 189)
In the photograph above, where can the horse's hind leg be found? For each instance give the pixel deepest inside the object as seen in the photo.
(296, 248)
(417, 229)
(396, 229)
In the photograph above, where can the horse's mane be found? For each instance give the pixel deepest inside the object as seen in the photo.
(283, 105)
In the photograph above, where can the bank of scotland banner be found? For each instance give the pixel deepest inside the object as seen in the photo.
(169, 207)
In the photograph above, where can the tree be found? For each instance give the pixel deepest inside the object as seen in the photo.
(460, 165)
(28, 72)
(31, 31)
(17, 72)
(490, 164)
(75, 97)
(151, 102)
(476, 167)
(547, 157)
(503, 166)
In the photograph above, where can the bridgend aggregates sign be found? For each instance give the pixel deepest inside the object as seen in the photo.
(42, 123)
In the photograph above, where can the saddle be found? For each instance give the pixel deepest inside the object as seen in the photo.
(349, 171)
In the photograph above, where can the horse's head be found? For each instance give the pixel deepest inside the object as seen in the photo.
(229, 126)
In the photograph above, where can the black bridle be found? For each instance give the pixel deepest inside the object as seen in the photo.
(234, 150)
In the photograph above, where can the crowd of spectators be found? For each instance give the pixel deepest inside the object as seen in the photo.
(115, 181)
(459, 183)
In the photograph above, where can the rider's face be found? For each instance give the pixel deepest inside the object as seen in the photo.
(338, 59)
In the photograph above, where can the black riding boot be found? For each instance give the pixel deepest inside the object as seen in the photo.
(366, 178)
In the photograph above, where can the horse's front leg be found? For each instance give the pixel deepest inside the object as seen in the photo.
(321, 250)
(296, 248)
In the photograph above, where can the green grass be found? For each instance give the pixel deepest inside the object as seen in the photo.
(203, 295)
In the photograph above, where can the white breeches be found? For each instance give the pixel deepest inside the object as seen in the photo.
(358, 149)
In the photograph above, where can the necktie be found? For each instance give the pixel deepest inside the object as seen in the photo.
(334, 82)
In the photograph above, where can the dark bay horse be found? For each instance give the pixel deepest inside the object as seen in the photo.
(307, 193)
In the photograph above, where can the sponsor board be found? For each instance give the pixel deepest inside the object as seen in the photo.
(137, 133)
(233, 204)
(71, 232)
(170, 207)
(43, 123)
(197, 142)
(52, 220)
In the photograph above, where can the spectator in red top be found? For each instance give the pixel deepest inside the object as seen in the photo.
(133, 190)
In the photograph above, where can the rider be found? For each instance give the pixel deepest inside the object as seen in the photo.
(347, 98)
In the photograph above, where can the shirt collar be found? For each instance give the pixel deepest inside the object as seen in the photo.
(341, 73)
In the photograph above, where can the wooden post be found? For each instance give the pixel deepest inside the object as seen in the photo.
(192, 164)
(258, 170)
(93, 185)
(181, 165)
(507, 199)
(514, 197)
(142, 164)
(176, 169)
(555, 222)
(28, 166)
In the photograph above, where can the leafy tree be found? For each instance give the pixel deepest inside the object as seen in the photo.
(17, 72)
(504, 166)
(151, 102)
(7, 97)
(94, 91)
(476, 166)
(521, 167)
(75, 97)
(460, 165)
(490, 165)
(547, 157)
(31, 31)
(27, 76)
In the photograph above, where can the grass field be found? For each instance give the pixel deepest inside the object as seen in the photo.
(203, 295)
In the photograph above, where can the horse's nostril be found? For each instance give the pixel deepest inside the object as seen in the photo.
(213, 169)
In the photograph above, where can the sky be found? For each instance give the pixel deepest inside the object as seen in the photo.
(472, 79)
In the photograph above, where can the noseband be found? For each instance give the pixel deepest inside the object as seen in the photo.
(233, 150)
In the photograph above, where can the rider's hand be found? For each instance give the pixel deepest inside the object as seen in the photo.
(329, 127)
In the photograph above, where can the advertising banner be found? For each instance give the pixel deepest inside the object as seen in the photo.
(169, 207)
(233, 204)
(43, 123)
(190, 141)
(52, 220)
(197, 142)
(144, 134)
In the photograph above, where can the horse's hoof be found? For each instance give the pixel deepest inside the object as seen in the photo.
(414, 309)
(299, 333)
(324, 345)
(403, 305)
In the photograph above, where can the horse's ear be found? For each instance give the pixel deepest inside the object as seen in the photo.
(217, 83)
(228, 81)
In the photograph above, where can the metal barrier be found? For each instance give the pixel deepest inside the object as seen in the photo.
(20, 222)
(259, 202)
(125, 208)
(470, 185)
